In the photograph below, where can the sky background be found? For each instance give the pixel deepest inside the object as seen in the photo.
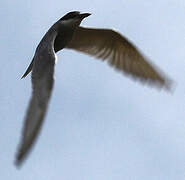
(100, 124)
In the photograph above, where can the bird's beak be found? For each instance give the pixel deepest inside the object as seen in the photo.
(84, 15)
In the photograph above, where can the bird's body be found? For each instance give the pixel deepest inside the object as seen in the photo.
(101, 43)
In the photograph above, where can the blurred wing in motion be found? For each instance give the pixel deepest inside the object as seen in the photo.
(42, 83)
(120, 53)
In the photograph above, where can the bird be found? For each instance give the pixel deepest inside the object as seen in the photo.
(104, 44)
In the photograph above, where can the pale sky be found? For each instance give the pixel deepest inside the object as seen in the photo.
(100, 125)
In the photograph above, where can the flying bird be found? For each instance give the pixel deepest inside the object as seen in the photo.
(105, 44)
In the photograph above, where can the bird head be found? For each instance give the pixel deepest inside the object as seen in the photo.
(73, 18)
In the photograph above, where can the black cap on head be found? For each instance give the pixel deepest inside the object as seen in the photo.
(74, 14)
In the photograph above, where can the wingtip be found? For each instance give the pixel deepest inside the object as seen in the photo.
(18, 161)
(23, 77)
(25, 74)
(170, 86)
(28, 69)
(21, 156)
(17, 164)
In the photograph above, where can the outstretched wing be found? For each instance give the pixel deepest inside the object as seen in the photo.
(42, 83)
(120, 53)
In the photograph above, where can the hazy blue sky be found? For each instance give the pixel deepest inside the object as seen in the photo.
(100, 124)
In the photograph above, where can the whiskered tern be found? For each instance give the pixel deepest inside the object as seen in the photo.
(104, 44)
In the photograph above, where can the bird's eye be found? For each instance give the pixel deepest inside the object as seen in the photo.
(70, 15)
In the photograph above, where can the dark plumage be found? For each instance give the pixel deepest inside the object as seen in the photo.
(104, 44)
(42, 67)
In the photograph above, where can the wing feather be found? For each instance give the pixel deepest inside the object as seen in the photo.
(42, 82)
(119, 52)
